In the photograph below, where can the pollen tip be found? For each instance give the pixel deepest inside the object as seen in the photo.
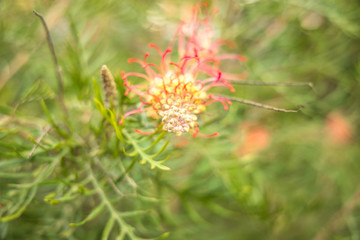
(214, 134)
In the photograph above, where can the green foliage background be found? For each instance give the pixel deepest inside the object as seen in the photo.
(303, 185)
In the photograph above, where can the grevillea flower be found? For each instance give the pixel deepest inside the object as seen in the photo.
(174, 92)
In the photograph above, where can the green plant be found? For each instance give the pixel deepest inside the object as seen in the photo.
(69, 170)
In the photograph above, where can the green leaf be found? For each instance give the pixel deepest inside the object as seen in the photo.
(5, 110)
(38, 91)
(109, 225)
(116, 126)
(133, 213)
(161, 135)
(49, 196)
(162, 149)
(146, 158)
(96, 211)
(11, 162)
(100, 106)
(44, 172)
(163, 236)
(14, 175)
(51, 120)
(132, 154)
(20, 210)
(97, 91)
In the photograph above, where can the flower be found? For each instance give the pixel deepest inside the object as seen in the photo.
(174, 92)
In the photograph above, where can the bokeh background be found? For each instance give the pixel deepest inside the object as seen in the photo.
(268, 175)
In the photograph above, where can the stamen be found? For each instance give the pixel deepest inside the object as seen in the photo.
(196, 132)
(144, 133)
(139, 110)
(163, 64)
(143, 101)
(224, 101)
(140, 75)
(176, 65)
(208, 136)
(135, 90)
(132, 60)
(151, 64)
(156, 47)
(219, 77)
(185, 59)
(146, 56)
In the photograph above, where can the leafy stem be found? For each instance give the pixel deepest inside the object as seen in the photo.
(138, 150)
(114, 214)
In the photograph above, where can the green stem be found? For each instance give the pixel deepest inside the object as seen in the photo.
(125, 228)
(132, 164)
(144, 157)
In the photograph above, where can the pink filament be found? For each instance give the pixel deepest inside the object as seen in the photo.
(156, 47)
(163, 61)
(144, 133)
(203, 135)
(224, 101)
(139, 110)
(140, 75)
(220, 84)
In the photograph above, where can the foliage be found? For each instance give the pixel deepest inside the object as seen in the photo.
(74, 174)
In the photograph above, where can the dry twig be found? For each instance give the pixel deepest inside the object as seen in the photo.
(38, 140)
(287, 84)
(56, 64)
(259, 105)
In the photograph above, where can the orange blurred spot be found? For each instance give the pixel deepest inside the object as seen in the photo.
(338, 128)
(181, 142)
(255, 138)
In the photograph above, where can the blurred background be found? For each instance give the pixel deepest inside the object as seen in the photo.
(268, 175)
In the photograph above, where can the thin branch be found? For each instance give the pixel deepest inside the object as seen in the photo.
(56, 64)
(288, 84)
(124, 227)
(109, 178)
(38, 140)
(126, 173)
(259, 105)
(22, 57)
(53, 54)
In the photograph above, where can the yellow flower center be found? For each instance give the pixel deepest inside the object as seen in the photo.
(176, 99)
